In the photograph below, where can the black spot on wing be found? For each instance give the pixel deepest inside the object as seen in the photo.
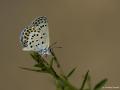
(30, 43)
(42, 42)
(44, 33)
(25, 36)
(31, 46)
(41, 26)
(39, 20)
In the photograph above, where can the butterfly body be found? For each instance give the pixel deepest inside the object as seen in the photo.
(35, 37)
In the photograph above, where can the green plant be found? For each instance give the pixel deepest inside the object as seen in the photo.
(61, 80)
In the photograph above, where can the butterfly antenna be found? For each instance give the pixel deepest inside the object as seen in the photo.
(52, 46)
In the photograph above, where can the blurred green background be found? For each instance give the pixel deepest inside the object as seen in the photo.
(88, 31)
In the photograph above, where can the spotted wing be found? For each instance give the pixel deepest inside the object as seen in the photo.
(36, 36)
(41, 25)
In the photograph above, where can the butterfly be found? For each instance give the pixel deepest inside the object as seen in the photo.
(35, 37)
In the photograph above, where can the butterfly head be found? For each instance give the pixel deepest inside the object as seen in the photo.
(45, 51)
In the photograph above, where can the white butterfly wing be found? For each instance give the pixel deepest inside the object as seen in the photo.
(36, 36)
(41, 25)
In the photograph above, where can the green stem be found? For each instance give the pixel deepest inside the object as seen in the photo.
(61, 81)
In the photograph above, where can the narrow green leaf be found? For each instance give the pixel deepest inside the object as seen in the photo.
(89, 82)
(55, 58)
(84, 81)
(100, 84)
(71, 72)
(40, 60)
(35, 56)
(39, 65)
(29, 69)
(51, 62)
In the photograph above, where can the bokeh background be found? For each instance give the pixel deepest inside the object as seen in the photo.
(88, 31)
